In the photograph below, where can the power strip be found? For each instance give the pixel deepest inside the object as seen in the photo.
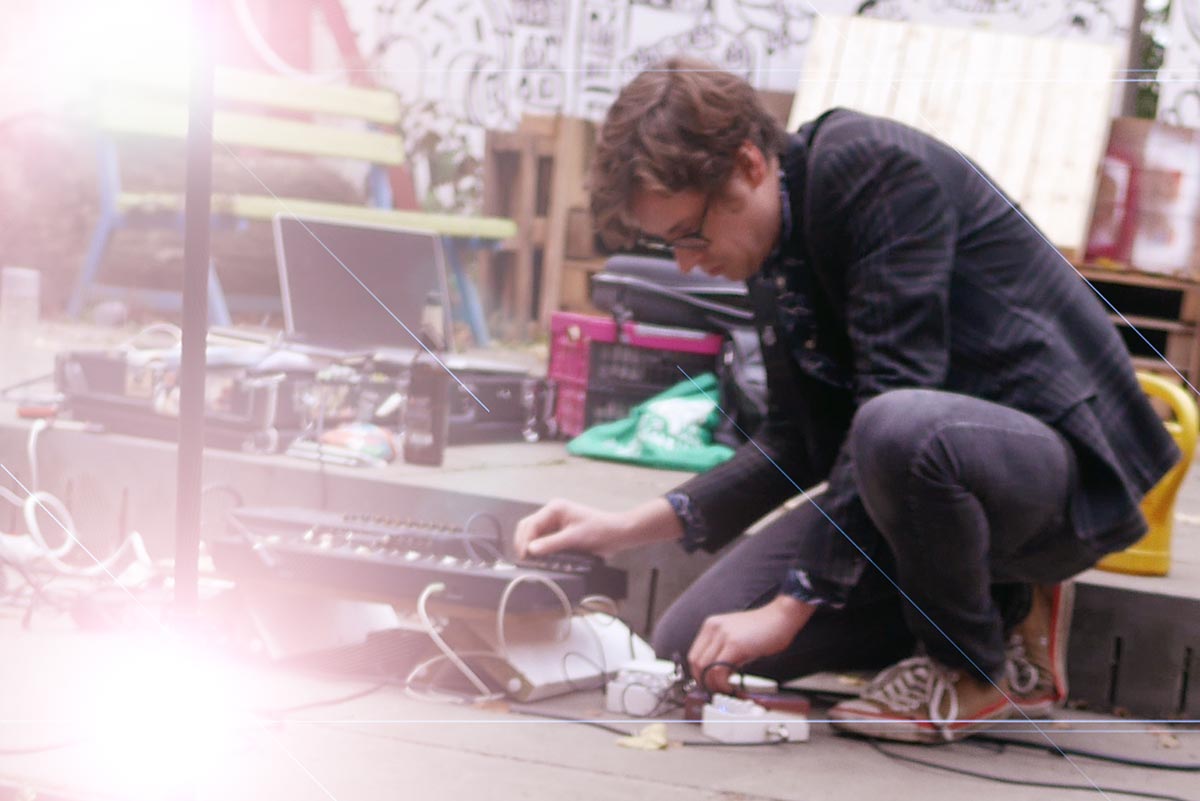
(735, 720)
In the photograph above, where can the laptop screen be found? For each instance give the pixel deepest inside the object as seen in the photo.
(339, 281)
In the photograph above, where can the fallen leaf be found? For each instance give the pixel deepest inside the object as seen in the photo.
(1167, 740)
(651, 738)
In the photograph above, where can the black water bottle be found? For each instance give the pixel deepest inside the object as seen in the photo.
(425, 411)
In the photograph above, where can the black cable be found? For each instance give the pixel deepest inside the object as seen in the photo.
(39, 592)
(734, 670)
(497, 537)
(521, 709)
(7, 391)
(341, 699)
(715, 744)
(1091, 788)
(1186, 767)
(579, 686)
(39, 588)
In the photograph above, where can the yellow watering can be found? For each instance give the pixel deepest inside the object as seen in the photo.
(1151, 555)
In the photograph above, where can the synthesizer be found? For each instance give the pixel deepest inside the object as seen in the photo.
(393, 559)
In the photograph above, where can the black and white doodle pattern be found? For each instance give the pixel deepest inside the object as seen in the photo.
(548, 14)
(490, 61)
(1095, 20)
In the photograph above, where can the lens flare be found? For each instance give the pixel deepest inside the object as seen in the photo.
(166, 715)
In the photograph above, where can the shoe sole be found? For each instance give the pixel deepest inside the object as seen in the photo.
(879, 727)
(1060, 631)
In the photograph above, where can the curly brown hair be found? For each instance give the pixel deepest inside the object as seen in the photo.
(675, 127)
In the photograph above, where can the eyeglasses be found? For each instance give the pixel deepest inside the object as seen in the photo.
(696, 240)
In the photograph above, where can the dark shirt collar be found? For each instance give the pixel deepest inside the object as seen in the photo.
(791, 181)
(785, 228)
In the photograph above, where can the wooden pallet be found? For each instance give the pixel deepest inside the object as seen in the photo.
(1032, 112)
(537, 175)
(1153, 313)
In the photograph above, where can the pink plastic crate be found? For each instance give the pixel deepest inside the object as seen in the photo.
(570, 408)
(585, 354)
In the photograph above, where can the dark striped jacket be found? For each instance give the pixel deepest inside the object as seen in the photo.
(910, 269)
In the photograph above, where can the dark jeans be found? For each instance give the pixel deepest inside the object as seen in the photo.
(971, 499)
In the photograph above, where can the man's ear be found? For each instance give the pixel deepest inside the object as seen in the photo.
(752, 163)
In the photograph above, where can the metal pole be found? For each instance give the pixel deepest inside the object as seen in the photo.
(197, 211)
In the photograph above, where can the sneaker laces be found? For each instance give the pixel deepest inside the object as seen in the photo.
(1021, 673)
(915, 682)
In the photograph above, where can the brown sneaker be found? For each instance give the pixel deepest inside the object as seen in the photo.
(920, 701)
(1036, 651)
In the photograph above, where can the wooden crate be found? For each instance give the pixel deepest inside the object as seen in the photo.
(1156, 313)
(536, 176)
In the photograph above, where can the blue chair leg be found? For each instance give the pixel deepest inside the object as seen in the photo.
(472, 308)
(91, 263)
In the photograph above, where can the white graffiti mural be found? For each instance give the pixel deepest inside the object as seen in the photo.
(1179, 96)
(490, 61)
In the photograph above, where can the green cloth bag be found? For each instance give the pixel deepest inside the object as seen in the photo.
(673, 430)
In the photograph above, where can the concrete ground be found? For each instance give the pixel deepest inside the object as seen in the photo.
(386, 744)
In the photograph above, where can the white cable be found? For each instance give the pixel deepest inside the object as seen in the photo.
(603, 600)
(427, 695)
(501, 641)
(35, 430)
(132, 543)
(170, 328)
(430, 590)
(58, 512)
(613, 616)
(11, 497)
(44, 500)
(61, 516)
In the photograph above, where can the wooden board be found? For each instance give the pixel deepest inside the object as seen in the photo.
(266, 207)
(137, 116)
(1032, 112)
(269, 91)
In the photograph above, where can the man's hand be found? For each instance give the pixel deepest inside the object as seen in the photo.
(740, 637)
(563, 525)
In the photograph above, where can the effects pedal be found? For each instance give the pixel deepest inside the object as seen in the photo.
(739, 721)
(787, 703)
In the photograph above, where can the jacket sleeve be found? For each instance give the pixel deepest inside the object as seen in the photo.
(781, 460)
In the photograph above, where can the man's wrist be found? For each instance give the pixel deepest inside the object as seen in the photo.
(649, 522)
(793, 611)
